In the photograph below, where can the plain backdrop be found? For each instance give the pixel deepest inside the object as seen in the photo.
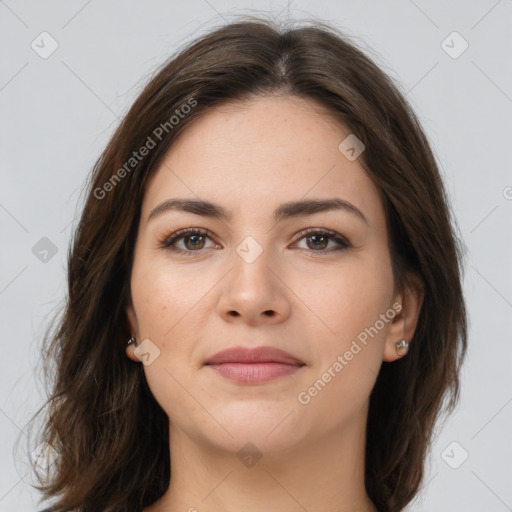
(59, 109)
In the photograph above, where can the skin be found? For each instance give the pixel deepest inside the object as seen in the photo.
(251, 157)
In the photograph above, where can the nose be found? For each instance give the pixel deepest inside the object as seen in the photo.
(254, 292)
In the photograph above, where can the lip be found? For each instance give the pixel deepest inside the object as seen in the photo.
(254, 365)
(254, 355)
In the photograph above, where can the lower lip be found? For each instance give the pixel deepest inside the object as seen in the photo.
(252, 373)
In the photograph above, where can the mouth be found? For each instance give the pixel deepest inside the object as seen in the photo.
(254, 365)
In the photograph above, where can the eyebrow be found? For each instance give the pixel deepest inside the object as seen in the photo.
(284, 211)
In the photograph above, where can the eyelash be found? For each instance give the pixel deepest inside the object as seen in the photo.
(168, 241)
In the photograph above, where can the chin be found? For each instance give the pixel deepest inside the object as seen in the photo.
(270, 427)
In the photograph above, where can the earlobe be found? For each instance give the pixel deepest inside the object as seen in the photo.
(402, 329)
(131, 343)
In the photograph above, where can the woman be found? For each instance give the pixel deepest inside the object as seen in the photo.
(264, 308)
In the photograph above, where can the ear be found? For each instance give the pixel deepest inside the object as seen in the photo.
(134, 329)
(407, 304)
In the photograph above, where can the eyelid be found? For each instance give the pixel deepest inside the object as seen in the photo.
(323, 231)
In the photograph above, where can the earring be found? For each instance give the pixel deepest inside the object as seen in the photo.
(401, 347)
(131, 340)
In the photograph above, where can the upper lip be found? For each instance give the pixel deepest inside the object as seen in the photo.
(254, 355)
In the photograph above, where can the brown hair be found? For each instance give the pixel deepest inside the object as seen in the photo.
(110, 434)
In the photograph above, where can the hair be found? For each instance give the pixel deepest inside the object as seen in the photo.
(108, 431)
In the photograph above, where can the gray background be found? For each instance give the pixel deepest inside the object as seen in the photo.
(58, 113)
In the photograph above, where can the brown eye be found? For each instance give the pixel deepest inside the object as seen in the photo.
(195, 241)
(192, 239)
(317, 240)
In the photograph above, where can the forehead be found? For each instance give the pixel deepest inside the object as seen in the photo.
(251, 156)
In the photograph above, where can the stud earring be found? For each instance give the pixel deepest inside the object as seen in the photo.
(131, 340)
(401, 347)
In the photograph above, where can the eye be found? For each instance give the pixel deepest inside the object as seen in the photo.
(317, 240)
(194, 240)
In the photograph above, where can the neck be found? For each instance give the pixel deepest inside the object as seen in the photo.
(318, 475)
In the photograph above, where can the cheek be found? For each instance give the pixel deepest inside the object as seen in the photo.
(168, 299)
(350, 303)
(351, 297)
(172, 305)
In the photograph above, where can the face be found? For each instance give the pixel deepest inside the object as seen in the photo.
(315, 282)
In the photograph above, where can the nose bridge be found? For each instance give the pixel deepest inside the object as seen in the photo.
(253, 291)
(252, 259)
